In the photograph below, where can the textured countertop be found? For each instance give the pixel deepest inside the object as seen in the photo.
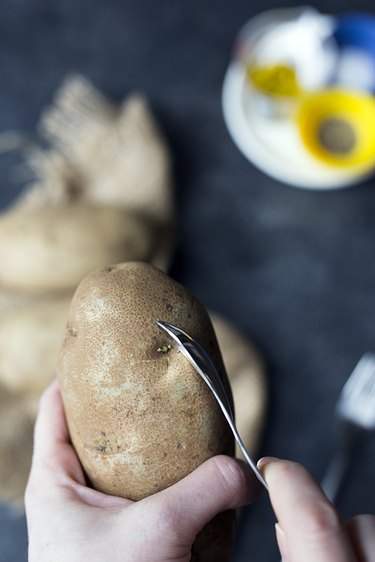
(294, 269)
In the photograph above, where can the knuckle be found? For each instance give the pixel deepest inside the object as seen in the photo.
(280, 472)
(288, 469)
(31, 494)
(44, 395)
(43, 400)
(28, 494)
(365, 518)
(47, 394)
(320, 521)
(361, 522)
(230, 473)
(166, 518)
(41, 482)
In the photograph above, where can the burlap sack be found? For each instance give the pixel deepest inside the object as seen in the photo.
(100, 152)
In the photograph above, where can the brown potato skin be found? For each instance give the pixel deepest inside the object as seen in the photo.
(140, 419)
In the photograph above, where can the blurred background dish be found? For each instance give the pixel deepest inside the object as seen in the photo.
(285, 52)
(275, 145)
(299, 80)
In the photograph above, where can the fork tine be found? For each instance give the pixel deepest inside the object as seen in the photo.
(356, 408)
(357, 399)
(202, 363)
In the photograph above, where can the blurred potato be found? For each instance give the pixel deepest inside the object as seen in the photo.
(17, 415)
(53, 248)
(246, 375)
(30, 338)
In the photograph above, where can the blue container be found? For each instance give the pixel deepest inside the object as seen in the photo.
(355, 37)
(356, 30)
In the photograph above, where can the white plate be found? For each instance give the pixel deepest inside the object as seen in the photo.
(274, 146)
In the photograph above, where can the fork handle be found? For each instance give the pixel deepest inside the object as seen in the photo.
(337, 469)
(334, 476)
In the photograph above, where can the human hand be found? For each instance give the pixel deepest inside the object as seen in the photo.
(68, 521)
(309, 528)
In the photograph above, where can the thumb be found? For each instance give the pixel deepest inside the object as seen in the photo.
(219, 484)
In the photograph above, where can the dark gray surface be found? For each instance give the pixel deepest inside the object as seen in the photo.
(295, 269)
(13, 536)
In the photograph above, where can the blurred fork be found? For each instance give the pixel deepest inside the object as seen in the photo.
(356, 411)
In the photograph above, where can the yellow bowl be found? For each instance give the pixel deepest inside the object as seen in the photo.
(338, 128)
(278, 80)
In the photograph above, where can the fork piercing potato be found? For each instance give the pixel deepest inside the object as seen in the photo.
(53, 248)
(139, 416)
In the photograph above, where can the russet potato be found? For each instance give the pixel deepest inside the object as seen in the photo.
(53, 248)
(139, 416)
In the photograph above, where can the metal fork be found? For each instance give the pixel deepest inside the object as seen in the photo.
(202, 363)
(355, 409)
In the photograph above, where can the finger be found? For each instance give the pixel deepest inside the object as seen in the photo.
(219, 484)
(53, 452)
(50, 428)
(361, 530)
(55, 462)
(309, 527)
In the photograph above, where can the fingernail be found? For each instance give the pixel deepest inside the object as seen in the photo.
(266, 460)
(281, 541)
